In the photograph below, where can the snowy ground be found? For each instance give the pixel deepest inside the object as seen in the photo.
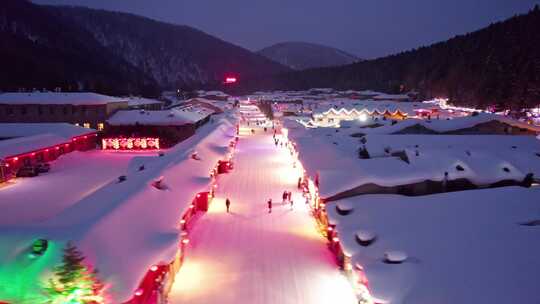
(72, 177)
(463, 247)
(252, 256)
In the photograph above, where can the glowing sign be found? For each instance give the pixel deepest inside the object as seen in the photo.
(230, 80)
(145, 143)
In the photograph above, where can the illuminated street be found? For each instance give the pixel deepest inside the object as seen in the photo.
(251, 255)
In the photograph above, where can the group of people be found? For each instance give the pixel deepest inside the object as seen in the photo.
(287, 197)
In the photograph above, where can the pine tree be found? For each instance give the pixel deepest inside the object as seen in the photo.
(73, 282)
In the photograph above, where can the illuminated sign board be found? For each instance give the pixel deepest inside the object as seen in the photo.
(131, 143)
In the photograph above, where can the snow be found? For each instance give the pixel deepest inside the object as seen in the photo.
(21, 145)
(66, 130)
(173, 117)
(462, 247)
(395, 256)
(83, 98)
(251, 256)
(391, 97)
(72, 177)
(124, 228)
(141, 101)
(334, 156)
(448, 125)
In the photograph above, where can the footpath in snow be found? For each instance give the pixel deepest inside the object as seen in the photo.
(250, 255)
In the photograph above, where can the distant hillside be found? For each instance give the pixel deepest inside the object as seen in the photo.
(40, 50)
(173, 55)
(302, 55)
(498, 65)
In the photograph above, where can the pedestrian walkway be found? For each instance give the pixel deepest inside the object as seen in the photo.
(250, 255)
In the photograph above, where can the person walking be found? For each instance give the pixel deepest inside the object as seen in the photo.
(284, 196)
(289, 195)
(227, 204)
(299, 184)
(270, 206)
(292, 204)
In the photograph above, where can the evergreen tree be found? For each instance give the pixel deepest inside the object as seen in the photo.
(73, 282)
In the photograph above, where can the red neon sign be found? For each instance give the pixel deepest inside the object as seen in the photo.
(230, 80)
(131, 143)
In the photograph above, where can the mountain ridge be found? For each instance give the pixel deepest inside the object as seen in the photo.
(300, 55)
(498, 65)
(173, 55)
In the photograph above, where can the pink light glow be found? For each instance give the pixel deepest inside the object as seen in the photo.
(146, 143)
(230, 80)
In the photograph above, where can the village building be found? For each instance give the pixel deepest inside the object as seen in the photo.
(89, 110)
(29, 145)
(168, 127)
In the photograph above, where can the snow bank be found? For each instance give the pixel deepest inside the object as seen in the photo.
(462, 247)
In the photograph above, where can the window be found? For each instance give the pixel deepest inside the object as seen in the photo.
(86, 125)
(100, 126)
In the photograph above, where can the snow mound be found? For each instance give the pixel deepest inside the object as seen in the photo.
(344, 208)
(365, 238)
(395, 257)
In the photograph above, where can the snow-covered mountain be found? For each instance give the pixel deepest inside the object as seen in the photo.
(40, 50)
(303, 55)
(173, 55)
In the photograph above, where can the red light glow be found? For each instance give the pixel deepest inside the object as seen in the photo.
(230, 80)
(132, 143)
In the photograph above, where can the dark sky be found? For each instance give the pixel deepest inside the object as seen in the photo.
(367, 28)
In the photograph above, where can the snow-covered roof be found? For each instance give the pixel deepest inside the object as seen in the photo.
(22, 145)
(125, 228)
(463, 247)
(140, 101)
(391, 97)
(57, 98)
(68, 131)
(334, 156)
(449, 125)
(173, 117)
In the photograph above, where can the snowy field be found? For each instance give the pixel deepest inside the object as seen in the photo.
(71, 178)
(252, 256)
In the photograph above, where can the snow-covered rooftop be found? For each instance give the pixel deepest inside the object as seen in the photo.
(463, 247)
(58, 98)
(68, 131)
(173, 117)
(140, 101)
(334, 156)
(21, 145)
